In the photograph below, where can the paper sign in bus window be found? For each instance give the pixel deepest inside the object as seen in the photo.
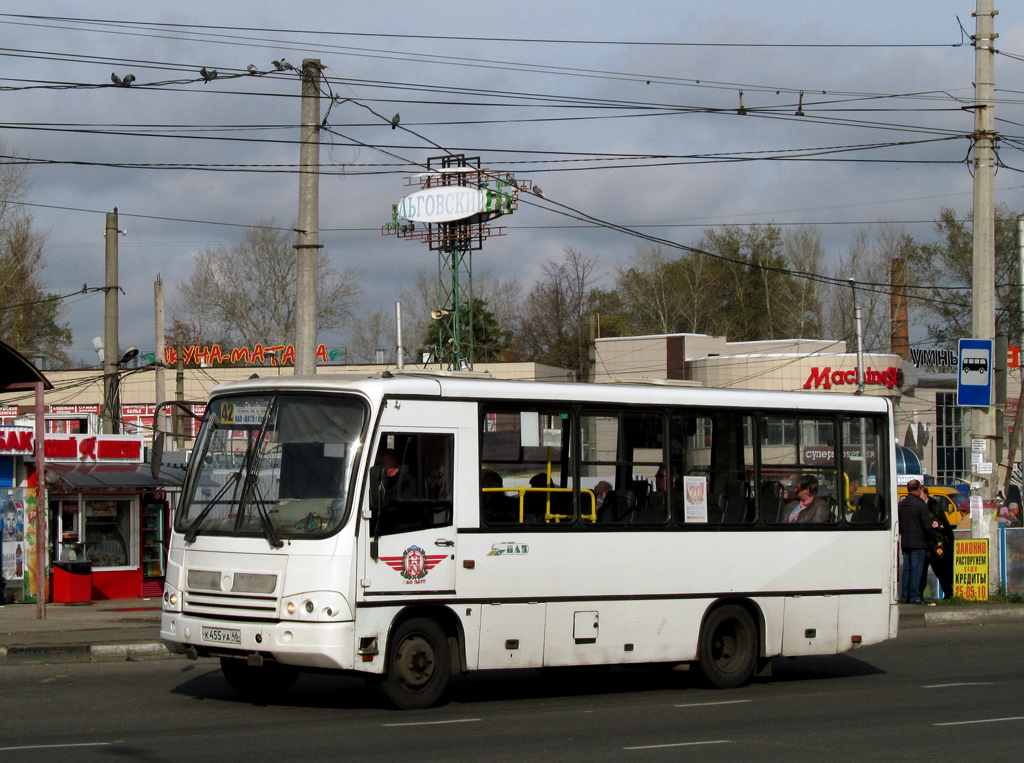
(695, 499)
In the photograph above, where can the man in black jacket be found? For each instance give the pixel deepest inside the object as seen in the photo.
(915, 529)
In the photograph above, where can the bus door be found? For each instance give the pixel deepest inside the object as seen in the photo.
(409, 545)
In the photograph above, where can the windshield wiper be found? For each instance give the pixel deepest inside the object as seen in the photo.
(250, 490)
(258, 500)
(193, 528)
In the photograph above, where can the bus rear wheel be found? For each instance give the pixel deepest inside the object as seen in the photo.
(419, 665)
(259, 684)
(727, 653)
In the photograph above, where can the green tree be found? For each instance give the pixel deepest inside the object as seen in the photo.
(757, 296)
(490, 339)
(950, 262)
(31, 318)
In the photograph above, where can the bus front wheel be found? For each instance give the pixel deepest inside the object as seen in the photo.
(727, 653)
(419, 665)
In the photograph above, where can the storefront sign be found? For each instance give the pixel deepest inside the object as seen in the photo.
(820, 455)
(74, 448)
(970, 569)
(260, 354)
(825, 377)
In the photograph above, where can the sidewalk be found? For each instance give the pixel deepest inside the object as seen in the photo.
(129, 629)
(96, 631)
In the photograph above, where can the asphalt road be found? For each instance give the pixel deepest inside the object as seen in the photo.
(937, 693)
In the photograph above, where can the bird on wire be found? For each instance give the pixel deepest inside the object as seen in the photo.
(394, 121)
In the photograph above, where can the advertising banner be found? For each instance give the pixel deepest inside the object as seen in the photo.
(12, 505)
(970, 569)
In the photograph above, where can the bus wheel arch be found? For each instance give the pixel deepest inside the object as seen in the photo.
(424, 649)
(729, 651)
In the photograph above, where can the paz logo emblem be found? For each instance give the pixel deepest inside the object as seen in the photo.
(414, 563)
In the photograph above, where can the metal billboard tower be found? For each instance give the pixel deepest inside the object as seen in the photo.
(454, 206)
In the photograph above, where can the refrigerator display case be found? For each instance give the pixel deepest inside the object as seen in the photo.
(154, 547)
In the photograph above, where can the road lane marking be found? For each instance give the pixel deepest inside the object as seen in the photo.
(712, 704)
(430, 723)
(677, 744)
(980, 720)
(59, 746)
(961, 683)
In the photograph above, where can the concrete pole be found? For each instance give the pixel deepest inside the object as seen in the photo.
(400, 348)
(309, 220)
(983, 420)
(159, 422)
(111, 394)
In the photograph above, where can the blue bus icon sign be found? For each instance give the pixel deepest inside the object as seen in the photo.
(974, 380)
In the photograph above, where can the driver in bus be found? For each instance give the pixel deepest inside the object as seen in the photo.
(400, 483)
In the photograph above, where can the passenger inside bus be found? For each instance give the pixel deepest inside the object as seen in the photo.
(808, 508)
(496, 506)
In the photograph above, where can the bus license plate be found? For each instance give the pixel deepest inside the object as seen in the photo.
(222, 635)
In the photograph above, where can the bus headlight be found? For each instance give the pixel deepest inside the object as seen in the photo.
(316, 606)
(172, 599)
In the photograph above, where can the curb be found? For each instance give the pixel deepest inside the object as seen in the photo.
(71, 653)
(972, 615)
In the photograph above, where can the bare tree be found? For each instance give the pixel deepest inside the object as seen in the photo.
(653, 291)
(867, 262)
(370, 333)
(245, 293)
(31, 319)
(805, 253)
(554, 327)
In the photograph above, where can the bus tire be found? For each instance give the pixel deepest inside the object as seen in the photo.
(419, 665)
(728, 651)
(263, 684)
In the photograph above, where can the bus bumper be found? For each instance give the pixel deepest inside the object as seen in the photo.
(303, 644)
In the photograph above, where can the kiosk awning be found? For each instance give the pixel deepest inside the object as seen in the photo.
(115, 475)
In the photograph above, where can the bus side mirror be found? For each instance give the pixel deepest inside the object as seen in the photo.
(156, 457)
(378, 488)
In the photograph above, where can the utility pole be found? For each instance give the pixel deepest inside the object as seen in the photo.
(111, 393)
(983, 420)
(159, 423)
(309, 220)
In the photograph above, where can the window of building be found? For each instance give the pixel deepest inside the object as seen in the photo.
(950, 455)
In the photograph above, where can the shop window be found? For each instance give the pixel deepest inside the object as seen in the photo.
(108, 536)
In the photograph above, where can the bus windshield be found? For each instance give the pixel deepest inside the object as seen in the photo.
(280, 466)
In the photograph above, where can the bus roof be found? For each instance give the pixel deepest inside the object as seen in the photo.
(478, 386)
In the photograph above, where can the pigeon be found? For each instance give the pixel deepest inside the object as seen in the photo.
(128, 80)
(115, 79)
(536, 190)
(394, 121)
(251, 68)
(208, 75)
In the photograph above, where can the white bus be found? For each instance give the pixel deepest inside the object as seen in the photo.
(411, 527)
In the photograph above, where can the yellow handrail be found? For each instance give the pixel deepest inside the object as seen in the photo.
(548, 516)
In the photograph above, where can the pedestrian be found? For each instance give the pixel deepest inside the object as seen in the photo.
(939, 554)
(915, 528)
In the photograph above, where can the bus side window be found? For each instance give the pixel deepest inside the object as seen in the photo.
(419, 476)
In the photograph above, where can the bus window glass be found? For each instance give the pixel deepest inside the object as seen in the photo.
(712, 467)
(865, 484)
(599, 466)
(274, 466)
(419, 477)
(526, 451)
(799, 480)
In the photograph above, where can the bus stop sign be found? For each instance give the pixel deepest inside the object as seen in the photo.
(974, 380)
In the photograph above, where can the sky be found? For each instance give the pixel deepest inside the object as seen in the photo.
(624, 112)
